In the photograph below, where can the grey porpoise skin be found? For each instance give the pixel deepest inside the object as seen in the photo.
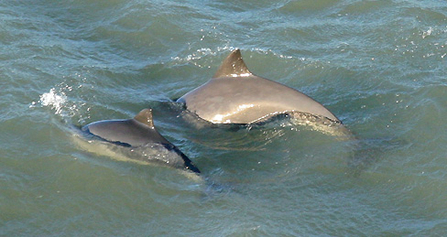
(135, 133)
(236, 96)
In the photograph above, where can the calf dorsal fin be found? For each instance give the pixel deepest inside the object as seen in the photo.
(145, 117)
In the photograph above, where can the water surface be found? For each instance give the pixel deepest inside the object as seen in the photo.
(380, 66)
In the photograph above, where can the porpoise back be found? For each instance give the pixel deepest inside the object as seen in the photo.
(138, 132)
(236, 96)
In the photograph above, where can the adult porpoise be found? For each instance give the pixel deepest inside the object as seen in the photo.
(236, 96)
(138, 139)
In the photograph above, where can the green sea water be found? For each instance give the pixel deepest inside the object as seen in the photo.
(379, 66)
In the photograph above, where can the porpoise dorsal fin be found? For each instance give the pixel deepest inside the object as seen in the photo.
(233, 66)
(145, 117)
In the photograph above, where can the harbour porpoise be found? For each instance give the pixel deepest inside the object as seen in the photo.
(236, 96)
(138, 139)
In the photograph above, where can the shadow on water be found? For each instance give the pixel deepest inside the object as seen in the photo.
(367, 152)
(361, 153)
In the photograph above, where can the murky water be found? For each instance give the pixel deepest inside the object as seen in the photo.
(379, 66)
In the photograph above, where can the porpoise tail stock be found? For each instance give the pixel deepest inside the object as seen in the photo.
(137, 140)
(236, 96)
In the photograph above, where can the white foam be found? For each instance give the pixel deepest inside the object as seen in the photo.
(196, 56)
(54, 100)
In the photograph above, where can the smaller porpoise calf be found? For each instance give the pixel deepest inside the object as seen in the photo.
(138, 139)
